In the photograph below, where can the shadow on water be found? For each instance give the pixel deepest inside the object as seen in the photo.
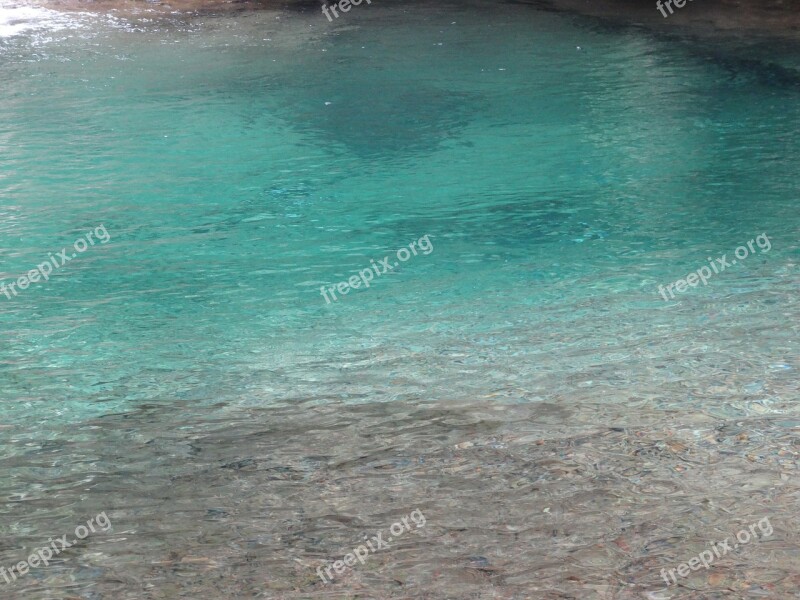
(398, 120)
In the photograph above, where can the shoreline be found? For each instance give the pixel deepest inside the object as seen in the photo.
(773, 17)
(136, 8)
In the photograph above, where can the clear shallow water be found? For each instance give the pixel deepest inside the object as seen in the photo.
(241, 162)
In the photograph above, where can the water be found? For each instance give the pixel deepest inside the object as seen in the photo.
(189, 379)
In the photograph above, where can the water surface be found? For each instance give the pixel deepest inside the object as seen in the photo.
(189, 379)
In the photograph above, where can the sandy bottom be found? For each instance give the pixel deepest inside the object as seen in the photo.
(551, 500)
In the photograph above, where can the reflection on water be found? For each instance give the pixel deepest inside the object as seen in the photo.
(566, 432)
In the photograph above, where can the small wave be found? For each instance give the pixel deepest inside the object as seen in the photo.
(16, 19)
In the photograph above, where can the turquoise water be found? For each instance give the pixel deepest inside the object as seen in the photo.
(563, 169)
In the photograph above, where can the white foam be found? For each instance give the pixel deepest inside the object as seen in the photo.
(16, 19)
